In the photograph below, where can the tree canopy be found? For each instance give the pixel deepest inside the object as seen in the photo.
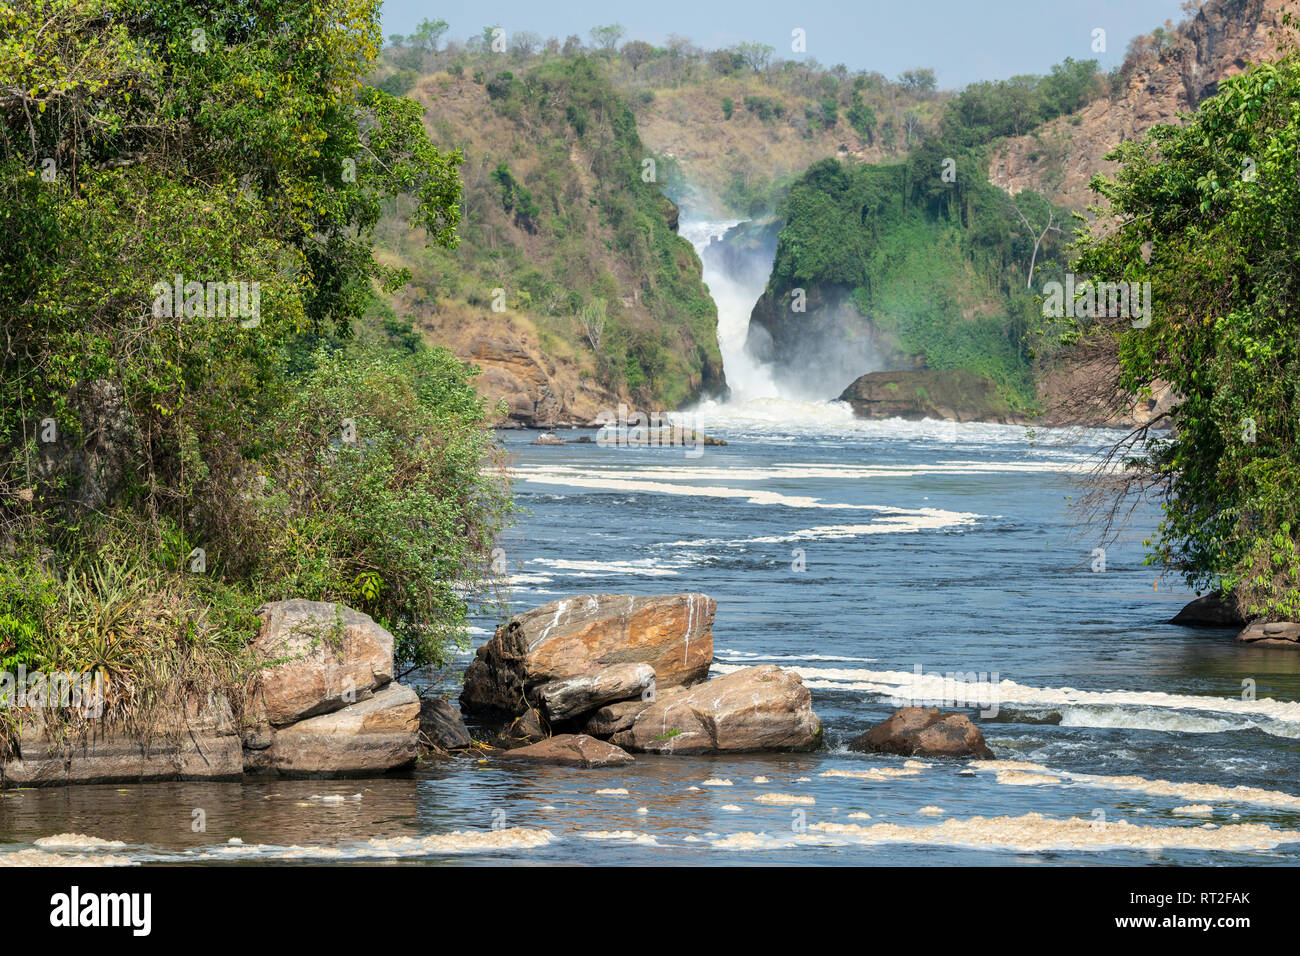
(161, 161)
(1208, 213)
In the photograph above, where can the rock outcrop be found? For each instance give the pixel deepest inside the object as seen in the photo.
(325, 703)
(754, 708)
(1271, 634)
(196, 741)
(576, 750)
(929, 393)
(1210, 610)
(1220, 40)
(579, 636)
(916, 731)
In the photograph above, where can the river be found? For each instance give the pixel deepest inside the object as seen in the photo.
(853, 553)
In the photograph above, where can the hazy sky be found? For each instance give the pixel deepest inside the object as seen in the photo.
(963, 40)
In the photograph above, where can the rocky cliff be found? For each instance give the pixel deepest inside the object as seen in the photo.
(570, 288)
(1220, 40)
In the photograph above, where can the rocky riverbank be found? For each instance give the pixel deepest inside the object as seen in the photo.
(587, 680)
(323, 704)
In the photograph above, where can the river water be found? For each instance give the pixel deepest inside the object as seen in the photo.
(853, 553)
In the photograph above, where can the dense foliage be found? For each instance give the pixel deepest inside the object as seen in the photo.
(1215, 203)
(168, 458)
(917, 249)
(565, 212)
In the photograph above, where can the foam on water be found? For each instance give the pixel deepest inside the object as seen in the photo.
(1143, 710)
(1015, 772)
(457, 841)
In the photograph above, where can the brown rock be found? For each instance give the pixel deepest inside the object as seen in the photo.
(322, 656)
(577, 750)
(673, 633)
(1271, 634)
(612, 718)
(371, 736)
(754, 708)
(197, 742)
(573, 696)
(915, 731)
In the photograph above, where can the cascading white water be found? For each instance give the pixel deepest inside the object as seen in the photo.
(748, 378)
(756, 397)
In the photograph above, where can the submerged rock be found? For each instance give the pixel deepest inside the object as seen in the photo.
(915, 731)
(576, 750)
(1271, 634)
(673, 633)
(754, 708)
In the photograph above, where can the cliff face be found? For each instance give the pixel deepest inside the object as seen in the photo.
(818, 351)
(570, 288)
(1061, 157)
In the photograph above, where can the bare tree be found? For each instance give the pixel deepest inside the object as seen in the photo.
(523, 43)
(1050, 227)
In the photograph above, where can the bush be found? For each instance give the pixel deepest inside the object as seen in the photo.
(381, 493)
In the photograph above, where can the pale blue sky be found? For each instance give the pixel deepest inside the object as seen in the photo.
(963, 40)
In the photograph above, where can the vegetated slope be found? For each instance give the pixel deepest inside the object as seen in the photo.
(736, 141)
(896, 268)
(1166, 73)
(569, 287)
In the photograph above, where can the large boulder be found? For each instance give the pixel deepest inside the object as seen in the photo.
(754, 708)
(572, 696)
(572, 750)
(374, 735)
(320, 657)
(1210, 610)
(441, 726)
(915, 731)
(673, 633)
(1271, 634)
(955, 395)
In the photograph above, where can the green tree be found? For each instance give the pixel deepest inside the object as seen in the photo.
(428, 33)
(1213, 205)
(229, 146)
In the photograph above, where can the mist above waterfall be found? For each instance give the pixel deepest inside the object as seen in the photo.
(802, 384)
